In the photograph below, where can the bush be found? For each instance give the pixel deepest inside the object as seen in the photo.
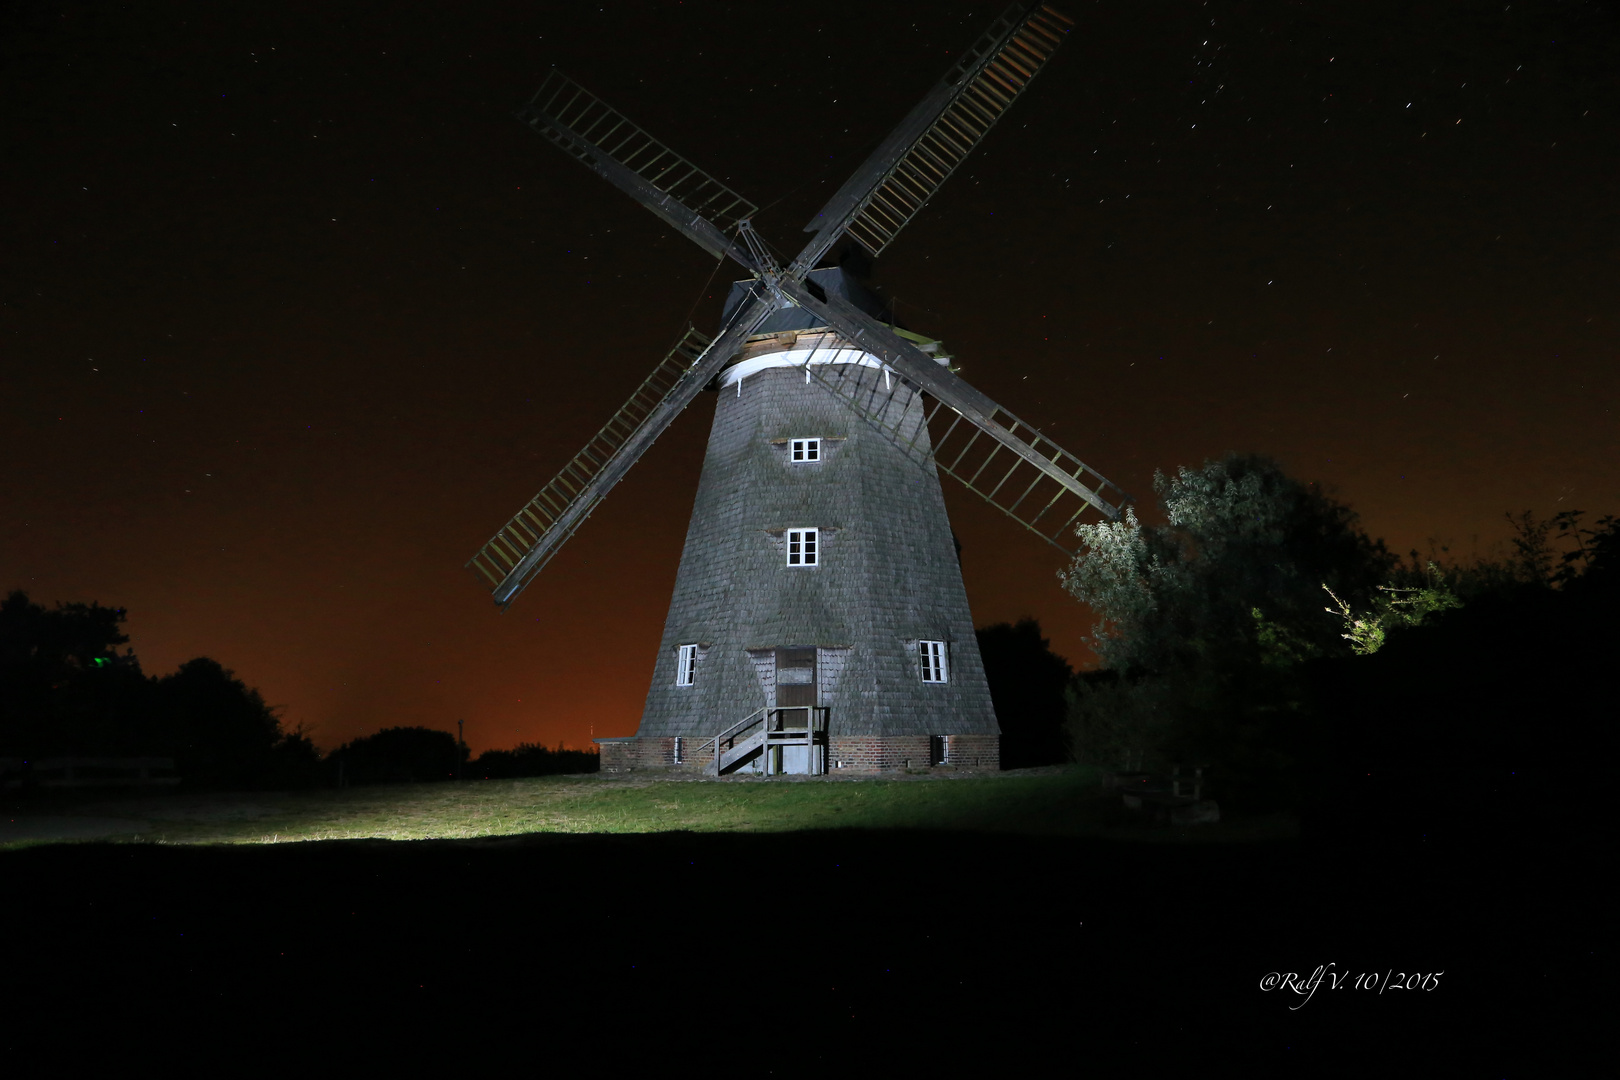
(531, 759)
(1027, 684)
(1117, 725)
(395, 756)
(1481, 723)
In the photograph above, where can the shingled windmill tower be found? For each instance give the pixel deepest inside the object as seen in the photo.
(819, 618)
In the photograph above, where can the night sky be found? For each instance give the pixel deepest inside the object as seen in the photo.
(293, 314)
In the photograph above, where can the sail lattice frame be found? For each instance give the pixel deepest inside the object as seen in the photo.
(578, 122)
(556, 504)
(962, 448)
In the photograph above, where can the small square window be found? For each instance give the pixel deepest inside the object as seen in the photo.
(685, 665)
(934, 665)
(802, 547)
(802, 450)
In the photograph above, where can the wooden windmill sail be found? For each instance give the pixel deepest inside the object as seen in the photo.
(819, 617)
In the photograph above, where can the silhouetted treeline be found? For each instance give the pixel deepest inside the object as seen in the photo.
(65, 690)
(415, 754)
(532, 759)
(1483, 723)
(1027, 684)
(396, 755)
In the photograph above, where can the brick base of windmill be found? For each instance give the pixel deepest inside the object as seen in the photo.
(844, 753)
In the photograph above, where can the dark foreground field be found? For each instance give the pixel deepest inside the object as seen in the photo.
(902, 951)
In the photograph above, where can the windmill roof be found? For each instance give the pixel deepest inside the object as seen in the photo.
(832, 279)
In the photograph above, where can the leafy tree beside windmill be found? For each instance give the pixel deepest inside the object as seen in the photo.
(819, 620)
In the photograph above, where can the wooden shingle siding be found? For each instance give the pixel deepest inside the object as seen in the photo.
(888, 576)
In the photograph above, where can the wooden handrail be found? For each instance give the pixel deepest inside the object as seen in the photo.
(757, 716)
(805, 736)
(744, 722)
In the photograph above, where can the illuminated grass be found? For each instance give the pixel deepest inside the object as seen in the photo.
(1057, 801)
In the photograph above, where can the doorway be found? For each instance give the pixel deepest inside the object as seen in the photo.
(795, 698)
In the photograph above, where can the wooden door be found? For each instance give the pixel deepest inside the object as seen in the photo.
(795, 677)
(795, 696)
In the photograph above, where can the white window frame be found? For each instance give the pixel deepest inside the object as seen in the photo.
(685, 665)
(803, 547)
(804, 451)
(934, 659)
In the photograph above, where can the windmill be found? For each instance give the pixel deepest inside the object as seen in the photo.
(819, 619)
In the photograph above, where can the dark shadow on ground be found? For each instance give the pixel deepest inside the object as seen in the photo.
(908, 952)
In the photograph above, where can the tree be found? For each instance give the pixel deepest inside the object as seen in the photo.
(1394, 606)
(1593, 569)
(219, 730)
(398, 755)
(1553, 553)
(71, 636)
(1241, 537)
(1027, 685)
(1207, 620)
(1533, 560)
(64, 688)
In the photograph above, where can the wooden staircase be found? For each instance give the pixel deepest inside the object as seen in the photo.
(768, 731)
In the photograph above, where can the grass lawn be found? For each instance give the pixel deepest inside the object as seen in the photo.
(1033, 802)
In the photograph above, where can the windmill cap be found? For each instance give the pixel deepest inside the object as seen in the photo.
(832, 279)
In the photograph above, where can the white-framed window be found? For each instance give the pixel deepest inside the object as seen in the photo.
(802, 450)
(935, 666)
(803, 547)
(685, 665)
